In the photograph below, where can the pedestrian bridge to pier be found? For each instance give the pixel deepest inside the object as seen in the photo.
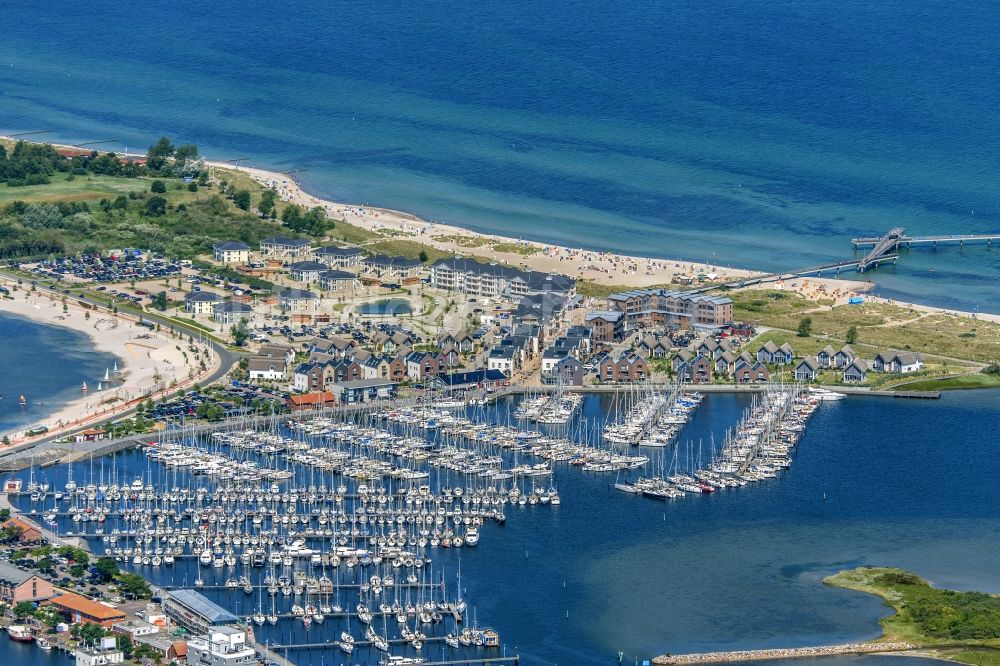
(886, 246)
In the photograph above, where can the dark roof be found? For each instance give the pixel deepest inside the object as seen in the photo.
(535, 280)
(285, 240)
(12, 575)
(334, 251)
(337, 275)
(307, 266)
(394, 262)
(473, 377)
(230, 245)
(202, 297)
(232, 306)
(296, 294)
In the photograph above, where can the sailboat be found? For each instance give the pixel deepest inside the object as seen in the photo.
(107, 374)
(85, 389)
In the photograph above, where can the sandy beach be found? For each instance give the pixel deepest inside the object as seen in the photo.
(602, 267)
(150, 363)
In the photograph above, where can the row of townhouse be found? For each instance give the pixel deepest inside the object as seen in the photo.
(775, 355)
(855, 370)
(561, 362)
(490, 280)
(628, 367)
(666, 308)
(697, 368)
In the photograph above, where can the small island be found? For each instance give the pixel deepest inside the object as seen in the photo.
(959, 626)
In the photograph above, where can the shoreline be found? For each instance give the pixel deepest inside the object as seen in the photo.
(601, 267)
(144, 363)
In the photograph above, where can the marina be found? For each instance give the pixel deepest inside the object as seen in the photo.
(344, 519)
(373, 567)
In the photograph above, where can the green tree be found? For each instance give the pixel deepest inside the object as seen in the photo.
(240, 332)
(124, 643)
(157, 155)
(805, 327)
(160, 301)
(24, 609)
(107, 568)
(242, 199)
(158, 187)
(156, 207)
(134, 584)
(423, 256)
(91, 633)
(266, 205)
(852, 335)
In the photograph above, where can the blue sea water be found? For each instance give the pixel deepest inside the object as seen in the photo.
(875, 481)
(45, 363)
(751, 133)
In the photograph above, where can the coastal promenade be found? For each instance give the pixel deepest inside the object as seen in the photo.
(224, 357)
(783, 653)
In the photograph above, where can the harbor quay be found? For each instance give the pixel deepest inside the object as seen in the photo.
(782, 653)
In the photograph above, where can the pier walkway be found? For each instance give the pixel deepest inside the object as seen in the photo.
(782, 653)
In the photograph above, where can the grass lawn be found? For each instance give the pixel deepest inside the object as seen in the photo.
(977, 657)
(406, 248)
(880, 327)
(81, 188)
(976, 380)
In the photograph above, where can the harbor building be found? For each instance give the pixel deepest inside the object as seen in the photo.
(105, 653)
(192, 610)
(17, 585)
(231, 252)
(79, 609)
(223, 646)
(661, 308)
(27, 531)
(470, 276)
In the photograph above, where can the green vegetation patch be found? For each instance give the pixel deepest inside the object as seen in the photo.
(409, 249)
(925, 615)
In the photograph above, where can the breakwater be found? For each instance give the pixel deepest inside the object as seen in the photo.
(783, 653)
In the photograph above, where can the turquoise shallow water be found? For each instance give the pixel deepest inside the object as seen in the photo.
(745, 133)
